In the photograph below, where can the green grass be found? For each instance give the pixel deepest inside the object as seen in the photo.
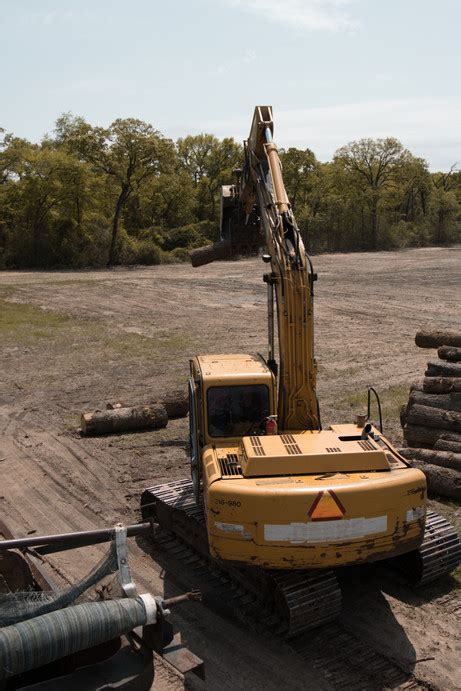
(137, 345)
(129, 345)
(24, 324)
(7, 291)
(391, 401)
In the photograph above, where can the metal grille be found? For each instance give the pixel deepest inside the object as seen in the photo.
(366, 445)
(257, 446)
(391, 458)
(290, 444)
(229, 465)
(333, 449)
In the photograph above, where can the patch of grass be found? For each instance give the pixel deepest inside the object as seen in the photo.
(130, 344)
(7, 291)
(69, 281)
(25, 323)
(392, 400)
(138, 345)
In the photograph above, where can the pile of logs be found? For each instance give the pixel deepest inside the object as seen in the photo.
(431, 420)
(119, 417)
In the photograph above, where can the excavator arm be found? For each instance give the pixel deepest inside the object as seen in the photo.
(291, 276)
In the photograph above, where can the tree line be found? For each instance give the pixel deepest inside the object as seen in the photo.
(92, 196)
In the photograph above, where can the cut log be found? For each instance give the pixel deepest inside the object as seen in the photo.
(176, 403)
(447, 401)
(442, 384)
(140, 417)
(210, 253)
(446, 445)
(442, 481)
(416, 435)
(443, 369)
(444, 459)
(416, 386)
(434, 339)
(433, 417)
(449, 353)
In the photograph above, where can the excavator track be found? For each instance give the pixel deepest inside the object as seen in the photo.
(308, 599)
(292, 601)
(438, 555)
(345, 660)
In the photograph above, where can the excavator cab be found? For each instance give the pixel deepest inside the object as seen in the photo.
(237, 410)
(230, 397)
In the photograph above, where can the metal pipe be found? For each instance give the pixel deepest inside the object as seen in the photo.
(270, 318)
(192, 595)
(77, 539)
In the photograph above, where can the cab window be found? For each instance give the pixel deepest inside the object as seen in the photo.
(234, 411)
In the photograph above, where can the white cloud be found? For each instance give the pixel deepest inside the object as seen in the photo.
(428, 127)
(301, 15)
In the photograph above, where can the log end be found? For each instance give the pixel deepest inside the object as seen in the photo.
(85, 419)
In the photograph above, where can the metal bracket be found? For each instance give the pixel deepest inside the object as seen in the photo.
(121, 547)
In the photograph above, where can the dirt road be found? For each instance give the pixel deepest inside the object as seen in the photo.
(73, 340)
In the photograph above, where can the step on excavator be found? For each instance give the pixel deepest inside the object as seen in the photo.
(278, 502)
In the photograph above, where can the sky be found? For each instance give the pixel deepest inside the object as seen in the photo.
(333, 70)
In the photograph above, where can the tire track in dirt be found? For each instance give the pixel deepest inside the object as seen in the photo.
(384, 297)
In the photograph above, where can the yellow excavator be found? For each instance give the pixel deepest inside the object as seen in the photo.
(277, 501)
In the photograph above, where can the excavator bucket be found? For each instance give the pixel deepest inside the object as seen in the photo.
(241, 234)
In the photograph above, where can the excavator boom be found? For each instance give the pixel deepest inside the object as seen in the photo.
(291, 275)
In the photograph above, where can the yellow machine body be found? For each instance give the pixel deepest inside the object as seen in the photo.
(298, 499)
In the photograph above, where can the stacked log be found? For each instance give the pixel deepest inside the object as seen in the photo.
(436, 339)
(447, 353)
(442, 385)
(443, 369)
(119, 417)
(440, 480)
(431, 420)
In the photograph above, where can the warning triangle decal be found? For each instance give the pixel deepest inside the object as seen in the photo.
(326, 507)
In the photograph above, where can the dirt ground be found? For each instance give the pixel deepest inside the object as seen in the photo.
(71, 341)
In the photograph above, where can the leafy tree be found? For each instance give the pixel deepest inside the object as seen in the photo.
(129, 152)
(298, 173)
(210, 163)
(167, 201)
(126, 193)
(46, 180)
(372, 165)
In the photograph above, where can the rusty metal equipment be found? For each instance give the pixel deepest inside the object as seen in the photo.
(128, 657)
